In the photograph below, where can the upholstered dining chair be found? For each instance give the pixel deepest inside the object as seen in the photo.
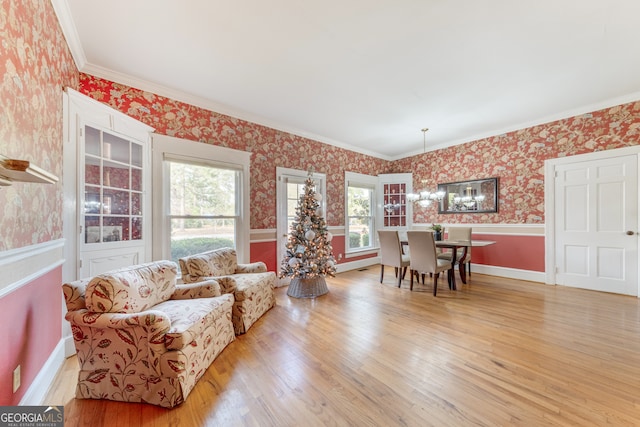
(391, 254)
(443, 230)
(424, 258)
(459, 233)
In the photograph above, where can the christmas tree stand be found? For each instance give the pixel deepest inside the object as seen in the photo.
(307, 287)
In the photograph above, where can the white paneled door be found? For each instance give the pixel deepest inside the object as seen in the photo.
(596, 221)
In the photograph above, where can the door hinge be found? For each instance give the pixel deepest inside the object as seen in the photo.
(79, 263)
(80, 229)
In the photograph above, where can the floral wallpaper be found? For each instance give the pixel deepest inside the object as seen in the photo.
(517, 159)
(35, 65)
(270, 148)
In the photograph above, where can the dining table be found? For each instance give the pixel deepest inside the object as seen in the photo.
(454, 245)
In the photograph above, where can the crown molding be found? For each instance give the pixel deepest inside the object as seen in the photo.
(210, 105)
(63, 12)
(585, 109)
(65, 18)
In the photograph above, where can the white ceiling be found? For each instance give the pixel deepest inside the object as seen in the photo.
(369, 75)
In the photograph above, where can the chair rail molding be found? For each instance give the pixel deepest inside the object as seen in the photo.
(507, 229)
(22, 265)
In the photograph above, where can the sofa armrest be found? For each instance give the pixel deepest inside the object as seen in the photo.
(155, 319)
(205, 289)
(227, 283)
(254, 267)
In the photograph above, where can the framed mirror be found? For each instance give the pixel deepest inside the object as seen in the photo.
(480, 195)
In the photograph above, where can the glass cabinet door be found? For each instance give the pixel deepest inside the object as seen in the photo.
(395, 204)
(394, 207)
(113, 188)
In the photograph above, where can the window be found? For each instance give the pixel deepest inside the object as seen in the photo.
(360, 208)
(203, 208)
(204, 199)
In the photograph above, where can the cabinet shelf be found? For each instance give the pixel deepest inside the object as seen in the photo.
(23, 171)
(395, 204)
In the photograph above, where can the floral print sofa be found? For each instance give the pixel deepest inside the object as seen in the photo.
(251, 284)
(140, 337)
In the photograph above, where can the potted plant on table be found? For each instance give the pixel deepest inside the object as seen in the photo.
(437, 231)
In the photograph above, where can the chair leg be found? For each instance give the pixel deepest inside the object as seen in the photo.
(412, 272)
(399, 280)
(469, 267)
(381, 272)
(435, 283)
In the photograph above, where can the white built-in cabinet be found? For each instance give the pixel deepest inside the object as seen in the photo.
(394, 209)
(107, 182)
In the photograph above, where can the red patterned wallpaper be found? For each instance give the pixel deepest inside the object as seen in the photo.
(270, 148)
(517, 159)
(35, 64)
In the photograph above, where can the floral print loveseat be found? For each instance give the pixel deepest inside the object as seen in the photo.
(251, 284)
(140, 337)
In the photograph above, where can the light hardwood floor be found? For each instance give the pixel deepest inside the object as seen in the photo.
(496, 352)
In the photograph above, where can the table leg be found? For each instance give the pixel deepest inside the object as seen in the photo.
(461, 267)
(451, 276)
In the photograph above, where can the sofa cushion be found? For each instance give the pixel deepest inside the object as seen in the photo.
(131, 289)
(248, 285)
(218, 262)
(190, 318)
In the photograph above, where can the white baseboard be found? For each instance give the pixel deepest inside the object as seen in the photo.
(340, 268)
(40, 386)
(511, 273)
(354, 265)
(69, 346)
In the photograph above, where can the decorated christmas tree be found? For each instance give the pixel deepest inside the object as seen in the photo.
(309, 255)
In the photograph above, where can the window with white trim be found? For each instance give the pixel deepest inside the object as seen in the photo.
(203, 203)
(203, 207)
(360, 211)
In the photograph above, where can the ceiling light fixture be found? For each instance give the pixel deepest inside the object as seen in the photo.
(425, 197)
(424, 140)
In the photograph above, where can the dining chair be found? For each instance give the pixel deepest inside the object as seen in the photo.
(424, 258)
(443, 230)
(391, 254)
(459, 233)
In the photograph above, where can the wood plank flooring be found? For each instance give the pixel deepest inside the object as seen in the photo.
(496, 352)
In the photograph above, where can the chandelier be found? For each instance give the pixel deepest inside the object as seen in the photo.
(425, 197)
